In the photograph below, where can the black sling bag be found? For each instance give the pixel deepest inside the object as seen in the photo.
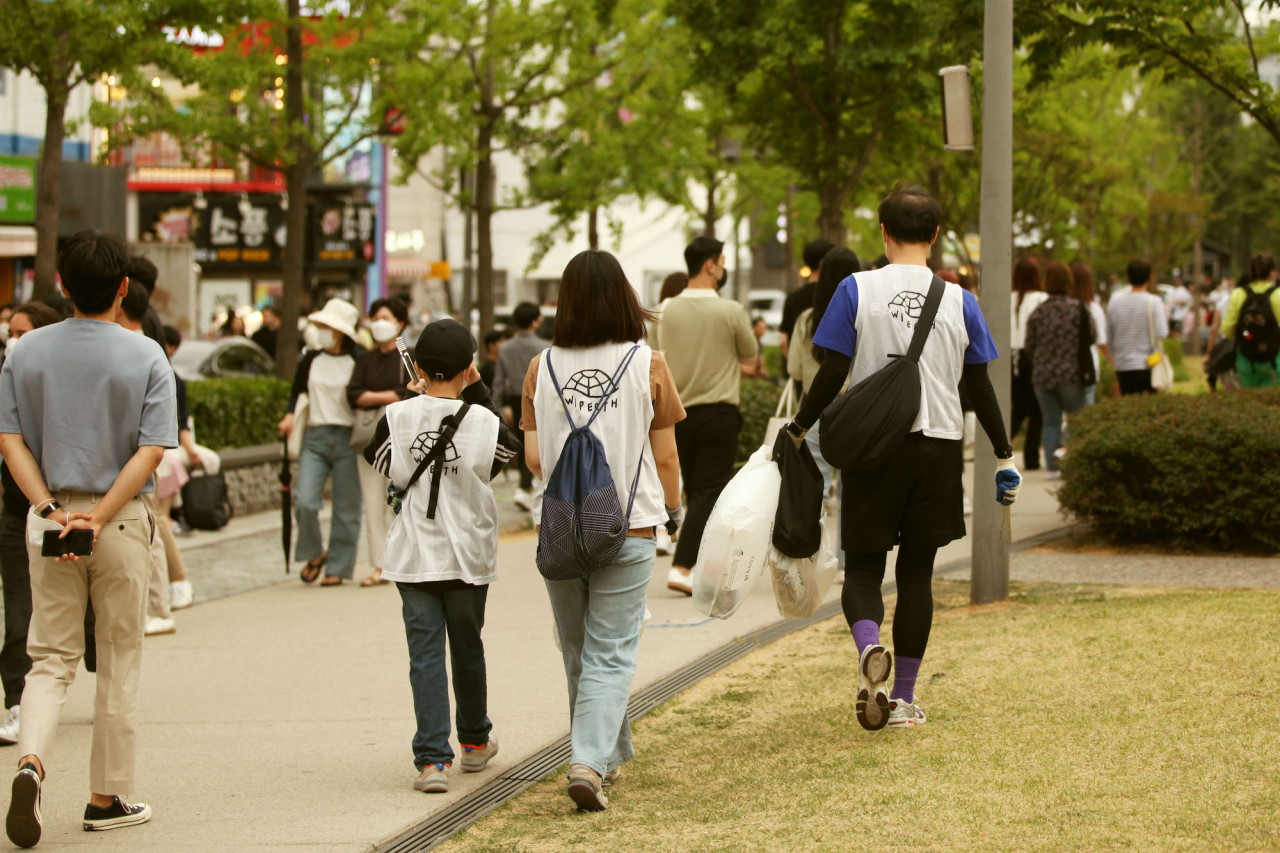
(448, 428)
(866, 424)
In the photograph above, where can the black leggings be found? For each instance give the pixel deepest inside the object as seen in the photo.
(913, 615)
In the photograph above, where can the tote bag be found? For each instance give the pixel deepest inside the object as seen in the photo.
(782, 415)
(300, 411)
(1161, 369)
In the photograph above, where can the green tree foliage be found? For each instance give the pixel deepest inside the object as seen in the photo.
(66, 43)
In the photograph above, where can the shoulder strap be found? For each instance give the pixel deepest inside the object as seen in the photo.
(448, 428)
(559, 394)
(613, 384)
(925, 324)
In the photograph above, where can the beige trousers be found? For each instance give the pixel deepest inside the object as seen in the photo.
(377, 515)
(158, 582)
(115, 579)
(164, 532)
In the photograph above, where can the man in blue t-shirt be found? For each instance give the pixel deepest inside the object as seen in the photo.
(86, 412)
(915, 498)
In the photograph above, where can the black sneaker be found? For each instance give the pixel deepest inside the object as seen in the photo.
(24, 822)
(114, 816)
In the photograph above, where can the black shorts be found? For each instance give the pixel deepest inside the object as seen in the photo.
(917, 495)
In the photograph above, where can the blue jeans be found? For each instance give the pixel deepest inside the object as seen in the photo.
(599, 621)
(327, 450)
(828, 472)
(1091, 395)
(430, 611)
(1053, 403)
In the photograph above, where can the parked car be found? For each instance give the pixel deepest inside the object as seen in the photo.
(197, 359)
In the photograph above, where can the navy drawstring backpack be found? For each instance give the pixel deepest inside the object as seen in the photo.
(583, 525)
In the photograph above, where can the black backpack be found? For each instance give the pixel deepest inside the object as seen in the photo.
(1257, 333)
(866, 424)
(205, 502)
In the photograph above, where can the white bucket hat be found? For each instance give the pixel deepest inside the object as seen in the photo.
(338, 314)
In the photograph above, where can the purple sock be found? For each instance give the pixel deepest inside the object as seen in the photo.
(905, 671)
(865, 633)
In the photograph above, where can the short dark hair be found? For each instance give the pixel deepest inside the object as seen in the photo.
(172, 337)
(597, 303)
(39, 314)
(910, 215)
(92, 265)
(525, 314)
(493, 337)
(270, 306)
(58, 303)
(880, 262)
(701, 250)
(394, 304)
(1261, 266)
(135, 301)
(143, 272)
(1139, 272)
(815, 251)
(837, 265)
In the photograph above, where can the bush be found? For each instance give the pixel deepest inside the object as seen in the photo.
(773, 360)
(759, 401)
(237, 412)
(1189, 471)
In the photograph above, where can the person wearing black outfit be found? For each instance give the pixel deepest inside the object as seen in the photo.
(801, 299)
(266, 335)
(144, 272)
(378, 380)
(914, 499)
(492, 343)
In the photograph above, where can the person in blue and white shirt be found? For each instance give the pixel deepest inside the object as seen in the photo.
(915, 498)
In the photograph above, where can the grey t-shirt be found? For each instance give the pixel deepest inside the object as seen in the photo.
(85, 395)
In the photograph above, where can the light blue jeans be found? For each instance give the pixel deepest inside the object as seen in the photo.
(1053, 403)
(828, 473)
(327, 450)
(599, 621)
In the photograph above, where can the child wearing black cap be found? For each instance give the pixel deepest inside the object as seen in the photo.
(440, 451)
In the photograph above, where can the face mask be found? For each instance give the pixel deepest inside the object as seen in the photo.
(9, 347)
(4, 331)
(326, 338)
(724, 276)
(383, 330)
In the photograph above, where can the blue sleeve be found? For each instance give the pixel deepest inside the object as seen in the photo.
(982, 348)
(159, 425)
(836, 332)
(9, 422)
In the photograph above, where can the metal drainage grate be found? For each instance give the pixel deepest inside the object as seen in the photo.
(457, 817)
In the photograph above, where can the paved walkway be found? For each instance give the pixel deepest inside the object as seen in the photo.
(280, 717)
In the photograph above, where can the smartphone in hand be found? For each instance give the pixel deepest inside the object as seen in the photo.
(78, 543)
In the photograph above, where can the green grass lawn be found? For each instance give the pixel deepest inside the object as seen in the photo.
(1069, 718)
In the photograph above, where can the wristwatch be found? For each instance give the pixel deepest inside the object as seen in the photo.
(796, 431)
(50, 509)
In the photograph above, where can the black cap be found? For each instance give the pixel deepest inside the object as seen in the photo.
(444, 349)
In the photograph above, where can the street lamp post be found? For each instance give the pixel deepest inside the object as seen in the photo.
(990, 538)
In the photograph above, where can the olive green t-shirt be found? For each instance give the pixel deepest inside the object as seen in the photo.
(704, 339)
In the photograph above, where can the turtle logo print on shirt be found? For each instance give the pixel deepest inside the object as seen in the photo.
(422, 446)
(587, 386)
(906, 306)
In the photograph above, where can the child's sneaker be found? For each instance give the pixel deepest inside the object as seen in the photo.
(902, 714)
(874, 666)
(474, 758)
(434, 779)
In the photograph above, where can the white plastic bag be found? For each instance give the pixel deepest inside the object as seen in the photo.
(736, 540)
(799, 586)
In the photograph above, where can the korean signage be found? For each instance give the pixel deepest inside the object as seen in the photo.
(343, 234)
(17, 189)
(228, 230)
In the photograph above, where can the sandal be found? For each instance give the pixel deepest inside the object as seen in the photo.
(331, 580)
(311, 570)
(374, 579)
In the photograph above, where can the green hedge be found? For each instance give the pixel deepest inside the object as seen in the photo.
(1188, 471)
(237, 412)
(759, 400)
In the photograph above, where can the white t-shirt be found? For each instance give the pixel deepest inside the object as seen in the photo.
(1020, 313)
(622, 426)
(1178, 303)
(327, 390)
(1099, 315)
(461, 542)
(873, 315)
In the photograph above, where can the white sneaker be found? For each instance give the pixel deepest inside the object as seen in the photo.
(1053, 475)
(523, 499)
(9, 728)
(160, 625)
(874, 666)
(664, 543)
(476, 758)
(903, 713)
(181, 595)
(1060, 453)
(434, 779)
(968, 506)
(679, 581)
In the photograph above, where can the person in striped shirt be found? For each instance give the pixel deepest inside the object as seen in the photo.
(1136, 322)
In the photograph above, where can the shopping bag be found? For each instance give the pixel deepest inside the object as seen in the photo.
(735, 542)
(800, 585)
(797, 525)
(783, 414)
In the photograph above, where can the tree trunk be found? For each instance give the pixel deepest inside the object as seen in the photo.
(484, 229)
(831, 214)
(49, 193)
(593, 227)
(1197, 254)
(710, 213)
(793, 281)
(468, 249)
(293, 262)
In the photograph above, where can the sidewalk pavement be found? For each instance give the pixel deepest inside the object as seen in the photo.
(281, 718)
